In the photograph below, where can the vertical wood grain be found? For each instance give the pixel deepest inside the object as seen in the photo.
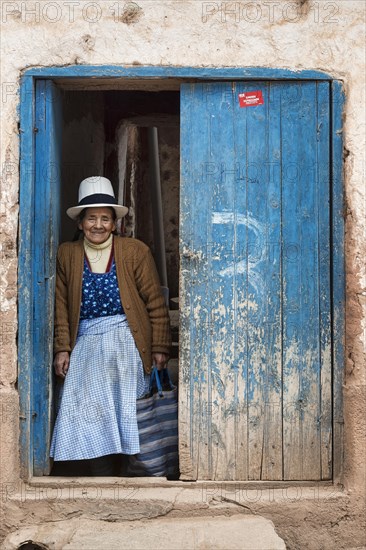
(25, 274)
(323, 181)
(337, 272)
(272, 465)
(48, 119)
(303, 159)
(242, 298)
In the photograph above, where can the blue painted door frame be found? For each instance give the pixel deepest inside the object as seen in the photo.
(41, 225)
(34, 396)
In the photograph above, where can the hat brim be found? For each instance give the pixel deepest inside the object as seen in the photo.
(74, 211)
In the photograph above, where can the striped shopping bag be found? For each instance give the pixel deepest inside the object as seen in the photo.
(157, 420)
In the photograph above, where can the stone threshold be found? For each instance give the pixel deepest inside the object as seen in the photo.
(146, 482)
(201, 493)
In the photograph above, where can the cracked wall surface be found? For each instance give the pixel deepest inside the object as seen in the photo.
(299, 35)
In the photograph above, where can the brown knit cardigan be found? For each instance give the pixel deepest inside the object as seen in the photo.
(140, 293)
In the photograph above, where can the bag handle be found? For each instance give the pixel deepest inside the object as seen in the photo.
(158, 377)
(155, 378)
(164, 374)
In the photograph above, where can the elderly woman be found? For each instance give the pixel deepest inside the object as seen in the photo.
(111, 326)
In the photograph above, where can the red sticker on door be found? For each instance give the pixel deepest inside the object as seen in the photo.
(251, 99)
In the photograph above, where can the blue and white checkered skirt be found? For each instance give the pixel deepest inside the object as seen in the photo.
(97, 414)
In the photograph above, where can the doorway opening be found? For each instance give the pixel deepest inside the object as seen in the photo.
(106, 133)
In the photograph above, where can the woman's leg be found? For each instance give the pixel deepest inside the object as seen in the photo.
(70, 468)
(109, 465)
(124, 465)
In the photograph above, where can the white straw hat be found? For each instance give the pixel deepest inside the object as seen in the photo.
(94, 192)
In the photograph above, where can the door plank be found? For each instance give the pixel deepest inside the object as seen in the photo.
(242, 300)
(186, 349)
(272, 466)
(301, 382)
(338, 273)
(323, 186)
(259, 392)
(222, 267)
(25, 291)
(195, 291)
(48, 115)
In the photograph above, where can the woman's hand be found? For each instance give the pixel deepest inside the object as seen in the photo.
(160, 360)
(61, 363)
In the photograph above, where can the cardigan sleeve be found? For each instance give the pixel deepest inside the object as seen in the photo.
(62, 328)
(148, 286)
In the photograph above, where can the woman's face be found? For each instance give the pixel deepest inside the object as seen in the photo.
(97, 224)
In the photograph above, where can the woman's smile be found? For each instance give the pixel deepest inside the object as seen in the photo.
(97, 224)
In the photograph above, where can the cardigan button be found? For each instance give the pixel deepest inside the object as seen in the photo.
(143, 350)
(128, 307)
(135, 329)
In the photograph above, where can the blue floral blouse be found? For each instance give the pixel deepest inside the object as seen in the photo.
(100, 293)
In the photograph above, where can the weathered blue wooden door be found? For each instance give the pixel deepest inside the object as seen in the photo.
(47, 183)
(255, 394)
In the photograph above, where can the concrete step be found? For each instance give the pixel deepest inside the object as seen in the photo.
(240, 531)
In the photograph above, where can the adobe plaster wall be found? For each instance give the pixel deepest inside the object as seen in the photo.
(324, 36)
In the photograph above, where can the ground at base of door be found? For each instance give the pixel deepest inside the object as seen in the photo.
(244, 532)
